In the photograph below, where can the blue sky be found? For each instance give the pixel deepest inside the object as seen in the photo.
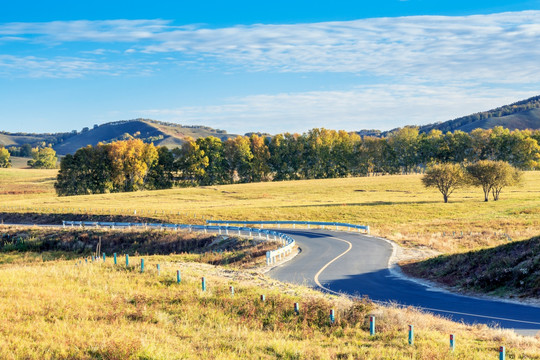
(270, 66)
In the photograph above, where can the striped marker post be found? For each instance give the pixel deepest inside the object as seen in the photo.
(178, 278)
(372, 325)
(203, 284)
(452, 342)
(332, 316)
(502, 353)
(114, 258)
(158, 269)
(127, 260)
(263, 298)
(411, 335)
(142, 265)
(297, 308)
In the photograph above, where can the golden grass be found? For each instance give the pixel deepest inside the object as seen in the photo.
(56, 310)
(396, 207)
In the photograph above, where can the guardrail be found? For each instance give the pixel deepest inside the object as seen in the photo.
(271, 256)
(293, 223)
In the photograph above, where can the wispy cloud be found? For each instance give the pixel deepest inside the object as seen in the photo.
(499, 48)
(380, 107)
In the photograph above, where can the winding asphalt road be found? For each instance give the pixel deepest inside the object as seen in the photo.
(357, 265)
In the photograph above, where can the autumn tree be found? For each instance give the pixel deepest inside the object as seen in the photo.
(492, 176)
(43, 158)
(131, 161)
(5, 161)
(217, 169)
(191, 162)
(260, 161)
(238, 155)
(445, 177)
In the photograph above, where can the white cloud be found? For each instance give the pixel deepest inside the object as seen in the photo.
(498, 48)
(373, 107)
(59, 67)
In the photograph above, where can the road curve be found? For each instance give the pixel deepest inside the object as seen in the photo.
(356, 264)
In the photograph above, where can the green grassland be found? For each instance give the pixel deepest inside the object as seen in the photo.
(65, 309)
(396, 207)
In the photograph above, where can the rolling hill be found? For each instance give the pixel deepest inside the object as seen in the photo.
(160, 133)
(521, 115)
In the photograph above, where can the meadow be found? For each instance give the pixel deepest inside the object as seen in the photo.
(396, 207)
(70, 309)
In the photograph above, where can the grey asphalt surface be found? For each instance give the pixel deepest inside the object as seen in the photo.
(363, 271)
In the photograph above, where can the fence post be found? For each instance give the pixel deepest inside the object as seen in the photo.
(372, 325)
(104, 257)
(411, 335)
(502, 353)
(297, 308)
(452, 342)
(263, 298)
(114, 258)
(158, 269)
(178, 278)
(142, 265)
(332, 316)
(268, 258)
(232, 290)
(127, 260)
(203, 284)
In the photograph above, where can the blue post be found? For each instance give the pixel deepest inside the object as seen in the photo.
(411, 335)
(502, 353)
(178, 278)
(158, 269)
(332, 316)
(104, 257)
(114, 258)
(232, 290)
(142, 265)
(372, 325)
(86, 260)
(263, 298)
(127, 260)
(452, 342)
(203, 284)
(297, 308)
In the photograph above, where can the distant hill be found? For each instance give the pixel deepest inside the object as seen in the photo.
(521, 115)
(160, 133)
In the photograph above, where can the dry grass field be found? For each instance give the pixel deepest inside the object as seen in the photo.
(64, 309)
(396, 207)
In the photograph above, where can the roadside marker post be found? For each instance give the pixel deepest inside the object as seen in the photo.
(114, 258)
(502, 353)
(297, 308)
(203, 284)
(452, 342)
(263, 298)
(158, 269)
(231, 288)
(104, 257)
(127, 260)
(178, 278)
(411, 335)
(142, 265)
(372, 325)
(332, 316)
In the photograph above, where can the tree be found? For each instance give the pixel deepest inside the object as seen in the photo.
(492, 176)
(160, 175)
(238, 154)
(43, 158)
(5, 161)
(191, 162)
(445, 177)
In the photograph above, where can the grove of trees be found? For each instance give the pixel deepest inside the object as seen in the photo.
(319, 153)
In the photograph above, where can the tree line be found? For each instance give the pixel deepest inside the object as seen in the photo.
(319, 153)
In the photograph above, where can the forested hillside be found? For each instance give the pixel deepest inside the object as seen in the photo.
(521, 115)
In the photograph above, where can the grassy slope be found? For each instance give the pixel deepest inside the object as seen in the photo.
(529, 119)
(108, 312)
(397, 207)
(511, 269)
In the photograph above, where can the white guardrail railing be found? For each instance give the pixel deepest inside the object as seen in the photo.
(271, 256)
